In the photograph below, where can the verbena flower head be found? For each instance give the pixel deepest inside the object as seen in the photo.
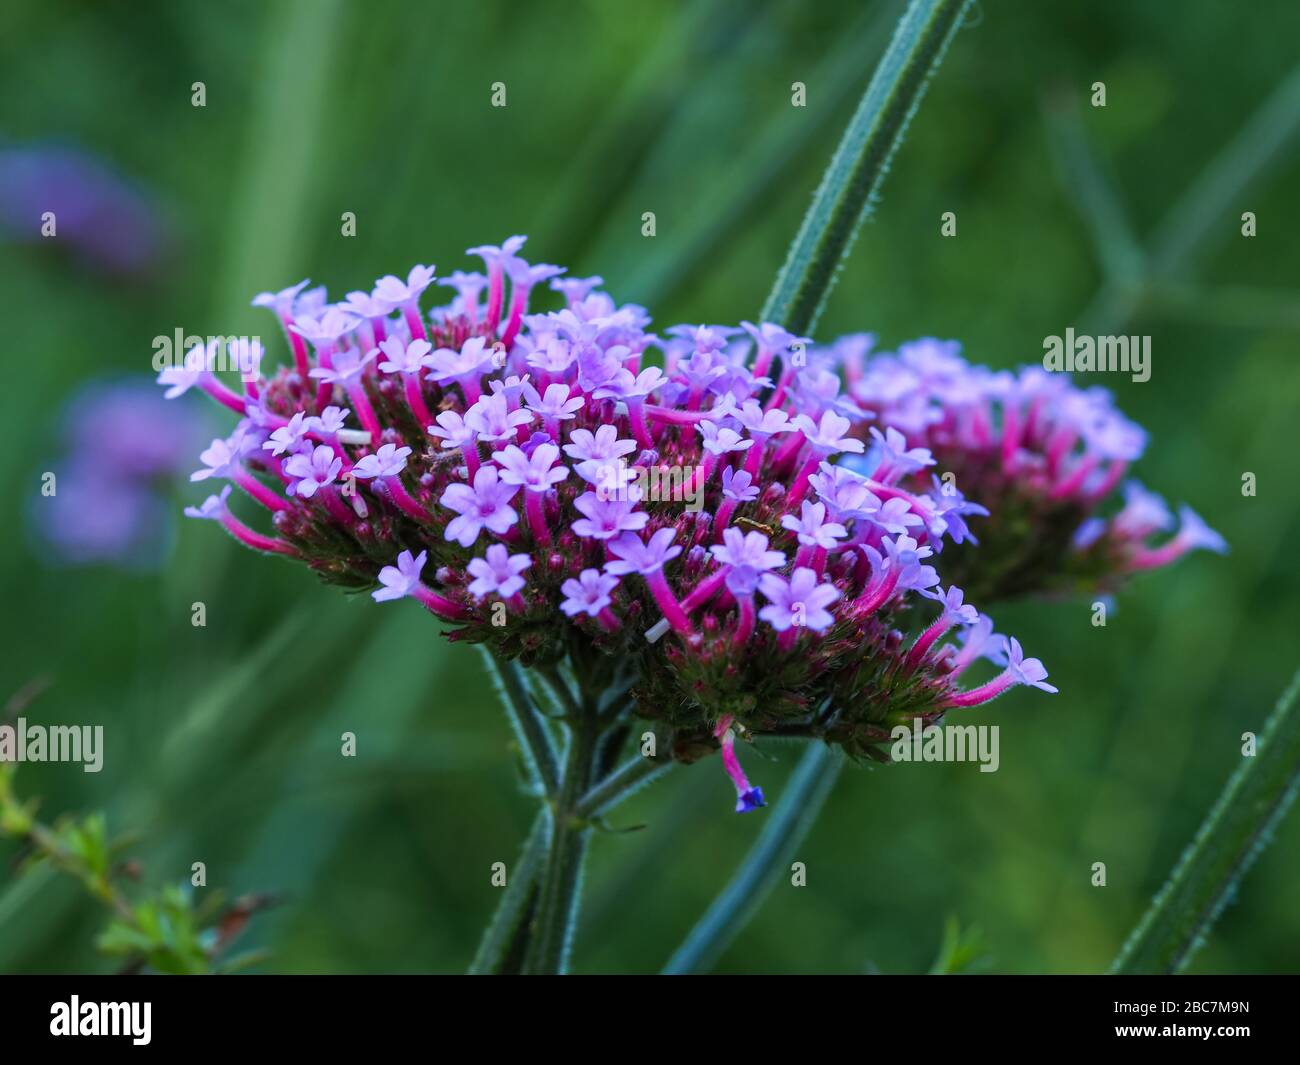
(693, 530)
(1041, 458)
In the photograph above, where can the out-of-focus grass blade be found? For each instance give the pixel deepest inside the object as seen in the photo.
(1082, 174)
(407, 693)
(789, 822)
(1208, 207)
(1238, 828)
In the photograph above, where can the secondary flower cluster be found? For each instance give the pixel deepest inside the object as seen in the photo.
(566, 483)
(1044, 457)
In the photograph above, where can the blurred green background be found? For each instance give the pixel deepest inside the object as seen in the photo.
(223, 742)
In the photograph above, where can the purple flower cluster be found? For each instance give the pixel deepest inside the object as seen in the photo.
(1045, 457)
(107, 504)
(566, 483)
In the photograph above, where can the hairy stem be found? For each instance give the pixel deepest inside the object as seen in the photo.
(552, 935)
(1237, 829)
(622, 782)
(853, 179)
(529, 725)
(511, 912)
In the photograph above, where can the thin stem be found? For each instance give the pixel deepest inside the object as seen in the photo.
(1237, 829)
(853, 179)
(557, 909)
(841, 203)
(527, 721)
(513, 907)
(791, 819)
(631, 776)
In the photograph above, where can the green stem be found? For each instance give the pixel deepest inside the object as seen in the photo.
(529, 725)
(841, 202)
(853, 179)
(1237, 829)
(557, 909)
(513, 907)
(791, 820)
(631, 776)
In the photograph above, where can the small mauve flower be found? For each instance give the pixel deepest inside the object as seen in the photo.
(606, 518)
(896, 516)
(704, 338)
(180, 379)
(588, 594)
(452, 430)
(525, 275)
(394, 291)
(1026, 670)
(554, 357)
(557, 403)
(954, 608)
(483, 506)
(895, 456)
(721, 441)
(604, 444)
(468, 286)
(627, 385)
(287, 437)
(749, 556)
(401, 580)
(348, 367)
(812, 527)
(498, 572)
(773, 337)
(365, 305)
(844, 492)
(575, 289)
(536, 472)
(738, 486)
(827, 436)
(404, 358)
(280, 302)
(512, 388)
(1193, 532)
(330, 420)
(635, 556)
(212, 508)
(473, 359)
(388, 461)
(761, 423)
(325, 329)
(492, 419)
(799, 603)
(218, 458)
(312, 472)
(492, 255)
